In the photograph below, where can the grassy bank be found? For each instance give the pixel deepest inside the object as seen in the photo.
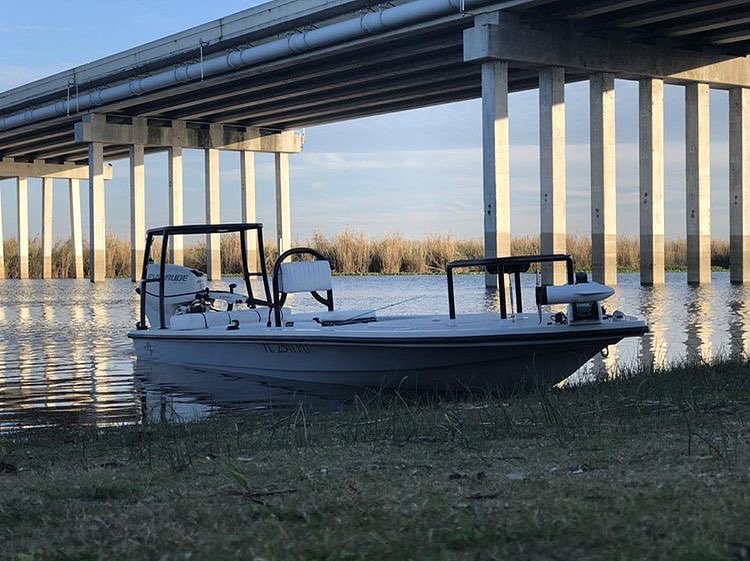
(653, 466)
(355, 253)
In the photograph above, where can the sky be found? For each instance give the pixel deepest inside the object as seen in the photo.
(416, 173)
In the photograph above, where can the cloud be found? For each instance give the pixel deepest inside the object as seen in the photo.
(21, 28)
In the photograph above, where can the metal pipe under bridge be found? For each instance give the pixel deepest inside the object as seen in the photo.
(249, 81)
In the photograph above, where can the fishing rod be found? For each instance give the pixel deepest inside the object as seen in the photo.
(365, 313)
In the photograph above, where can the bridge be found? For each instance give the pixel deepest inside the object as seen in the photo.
(247, 82)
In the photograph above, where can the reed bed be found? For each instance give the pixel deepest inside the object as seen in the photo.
(354, 253)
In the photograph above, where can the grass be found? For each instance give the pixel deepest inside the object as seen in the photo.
(354, 253)
(649, 466)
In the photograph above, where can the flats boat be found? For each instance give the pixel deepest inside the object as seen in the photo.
(184, 322)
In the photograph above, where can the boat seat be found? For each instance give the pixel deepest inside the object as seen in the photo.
(304, 276)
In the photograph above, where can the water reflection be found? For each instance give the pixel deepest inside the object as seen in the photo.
(698, 328)
(179, 393)
(653, 345)
(739, 321)
(64, 357)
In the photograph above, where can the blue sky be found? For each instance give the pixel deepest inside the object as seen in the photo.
(416, 173)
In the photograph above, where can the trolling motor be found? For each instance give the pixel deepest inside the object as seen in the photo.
(583, 299)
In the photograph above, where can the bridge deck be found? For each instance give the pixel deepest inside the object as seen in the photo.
(413, 66)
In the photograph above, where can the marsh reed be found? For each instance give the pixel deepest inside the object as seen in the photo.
(355, 253)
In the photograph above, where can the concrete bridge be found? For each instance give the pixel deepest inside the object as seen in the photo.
(247, 81)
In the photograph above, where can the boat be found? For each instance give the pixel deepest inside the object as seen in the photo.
(184, 322)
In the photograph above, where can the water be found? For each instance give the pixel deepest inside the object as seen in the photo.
(65, 358)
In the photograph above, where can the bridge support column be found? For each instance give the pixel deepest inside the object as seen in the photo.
(283, 211)
(651, 178)
(247, 191)
(495, 163)
(603, 179)
(739, 185)
(213, 214)
(137, 210)
(698, 175)
(76, 233)
(22, 188)
(176, 207)
(97, 218)
(2, 245)
(552, 169)
(47, 228)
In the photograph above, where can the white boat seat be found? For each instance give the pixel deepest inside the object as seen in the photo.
(305, 276)
(184, 322)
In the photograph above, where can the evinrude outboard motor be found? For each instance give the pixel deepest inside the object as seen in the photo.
(182, 286)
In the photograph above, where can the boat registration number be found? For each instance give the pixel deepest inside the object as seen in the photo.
(286, 348)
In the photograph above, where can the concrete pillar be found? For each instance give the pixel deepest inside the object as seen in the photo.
(495, 162)
(97, 219)
(2, 245)
(213, 249)
(47, 228)
(552, 169)
(651, 178)
(247, 191)
(603, 179)
(76, 232)
(22, 188)
(739, 185)
(698, 174)
(283, 211)
(176, 207)
(137, 210)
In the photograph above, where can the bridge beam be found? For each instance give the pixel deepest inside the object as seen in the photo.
(552, 169)
(137, 210)
(76, 231)
(247, 193)
(22, 189)
(97, 219)
(213, 214)
(169, 134)
(176, 205)
(283, 210)
(651, 179)
(495, 163)
(39, 168)
(698, 176)
(498, 37)
(47, 183)
(2, 245)
(603, 178)
(739, 185)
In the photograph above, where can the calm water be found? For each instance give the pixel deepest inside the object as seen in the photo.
(65, 358)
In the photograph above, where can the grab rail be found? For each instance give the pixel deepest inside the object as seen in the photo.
(515, 265)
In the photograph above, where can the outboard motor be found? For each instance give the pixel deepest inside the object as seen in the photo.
(181, 288)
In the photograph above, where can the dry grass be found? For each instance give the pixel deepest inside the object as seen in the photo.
(354, 253)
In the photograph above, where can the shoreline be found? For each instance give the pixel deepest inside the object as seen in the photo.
(651, 465)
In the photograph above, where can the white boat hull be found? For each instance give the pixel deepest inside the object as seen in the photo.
(483, 353)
